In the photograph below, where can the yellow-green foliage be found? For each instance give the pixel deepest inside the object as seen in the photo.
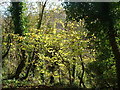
(63, 40)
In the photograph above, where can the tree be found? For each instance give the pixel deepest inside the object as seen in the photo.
(41, 8)
(19, 22)
(98, 17)
(56, 53)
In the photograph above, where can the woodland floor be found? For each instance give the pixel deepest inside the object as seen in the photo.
(43, 87)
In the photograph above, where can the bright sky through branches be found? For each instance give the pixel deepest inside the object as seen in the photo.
(50, 4)
(56, 1)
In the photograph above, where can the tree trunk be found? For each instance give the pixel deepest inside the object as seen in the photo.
(108, 19)
(115, 50)
(21, 65)
(41, 15)
(51, 79)
(59, 72)
(73, 70)
(70, 79)
(82, 75)
(29, 66)
(16, 13)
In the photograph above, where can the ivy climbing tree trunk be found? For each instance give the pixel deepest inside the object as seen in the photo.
(16, 12)
(19, 28)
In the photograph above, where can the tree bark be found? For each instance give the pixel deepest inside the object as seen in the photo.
(21, 65)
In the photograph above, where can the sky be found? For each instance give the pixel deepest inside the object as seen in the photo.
(5, 3)
(31, 0)
(64, 0)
